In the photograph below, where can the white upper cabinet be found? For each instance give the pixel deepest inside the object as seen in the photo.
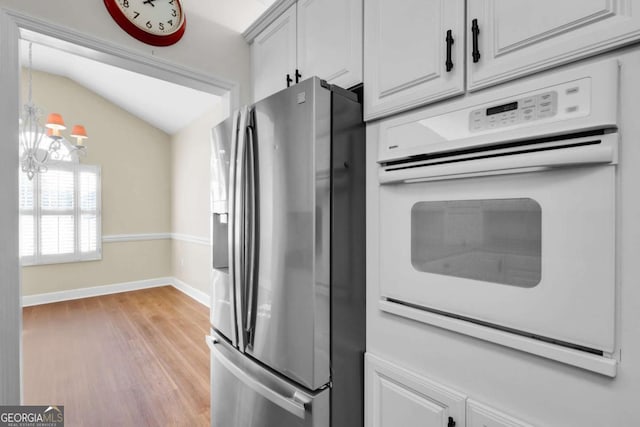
(312, 38)
(519, 37)
(330, 40)
(405, 44)
(273, 55)
(413, 53)
(396, 397)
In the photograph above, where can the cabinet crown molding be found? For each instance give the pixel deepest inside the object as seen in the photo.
(263, 21)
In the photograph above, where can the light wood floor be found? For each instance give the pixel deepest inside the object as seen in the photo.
(129, 359)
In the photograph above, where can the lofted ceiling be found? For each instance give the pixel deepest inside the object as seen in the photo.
(146, 97)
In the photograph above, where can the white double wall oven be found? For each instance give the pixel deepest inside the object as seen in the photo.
(500, 213)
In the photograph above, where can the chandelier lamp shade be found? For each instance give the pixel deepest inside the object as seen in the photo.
(80, 134)
(55, 122)
(35, 153)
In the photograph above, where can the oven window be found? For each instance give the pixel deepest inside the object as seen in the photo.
(497, 240)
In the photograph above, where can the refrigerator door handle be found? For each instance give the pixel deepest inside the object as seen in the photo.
(251, 228)
(294, 405)
(232, 224)
(239, 234)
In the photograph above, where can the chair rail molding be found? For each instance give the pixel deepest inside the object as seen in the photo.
(135, 237)
(191, 238)
(111, 238)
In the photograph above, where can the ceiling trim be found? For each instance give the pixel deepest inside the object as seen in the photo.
(269, 15)
(58, 37)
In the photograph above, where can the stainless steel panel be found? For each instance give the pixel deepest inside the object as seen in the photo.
(244, 394)
(348, 288)
(292, 143)
(221, 139)
(222, 313)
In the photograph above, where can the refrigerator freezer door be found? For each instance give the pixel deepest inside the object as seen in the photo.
(291, 300)
(244, 394)
(223, 313)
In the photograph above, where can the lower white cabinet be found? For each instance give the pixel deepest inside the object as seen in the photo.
(481, 415)
(397, 397)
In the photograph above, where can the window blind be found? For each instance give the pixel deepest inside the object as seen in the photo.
(60, 215)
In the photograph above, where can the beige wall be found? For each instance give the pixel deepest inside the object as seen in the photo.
(136, 189)
(190, 153)
(121, 262)
(190, 264)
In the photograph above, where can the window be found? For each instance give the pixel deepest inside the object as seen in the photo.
(60, 214)
(493, 240)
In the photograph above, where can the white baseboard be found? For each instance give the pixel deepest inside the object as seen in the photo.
(189, 290)
(94, 291)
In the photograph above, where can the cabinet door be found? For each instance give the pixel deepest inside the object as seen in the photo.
(519, 37)
(479, 415)
(397, 397)
(273, 55)
(405, 53)
(330, 40)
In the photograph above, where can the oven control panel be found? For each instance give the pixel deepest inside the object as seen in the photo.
(527, 109)
(566, 100)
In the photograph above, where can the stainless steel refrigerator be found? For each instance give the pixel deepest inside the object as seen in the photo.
(288, 281)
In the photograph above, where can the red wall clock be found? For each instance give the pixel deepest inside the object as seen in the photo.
(155, 22)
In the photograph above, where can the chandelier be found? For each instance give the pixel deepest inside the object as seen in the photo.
(34, 138)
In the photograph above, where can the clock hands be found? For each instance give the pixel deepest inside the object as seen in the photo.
(149, 2)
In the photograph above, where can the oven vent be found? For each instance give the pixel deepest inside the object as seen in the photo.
(584, 148)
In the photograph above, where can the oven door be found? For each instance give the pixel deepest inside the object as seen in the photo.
(531, 251)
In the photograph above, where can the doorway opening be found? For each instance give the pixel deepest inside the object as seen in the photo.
(22, 31)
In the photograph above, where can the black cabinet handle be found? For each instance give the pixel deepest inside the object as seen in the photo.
(298, 76)
(289, 80)
(475, 30)
(449, 40)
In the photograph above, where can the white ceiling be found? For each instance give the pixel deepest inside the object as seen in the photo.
(234, 14)
(165, 105)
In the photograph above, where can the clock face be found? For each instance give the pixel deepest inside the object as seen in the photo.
(156, 22)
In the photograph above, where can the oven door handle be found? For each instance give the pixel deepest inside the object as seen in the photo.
(604, 152)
